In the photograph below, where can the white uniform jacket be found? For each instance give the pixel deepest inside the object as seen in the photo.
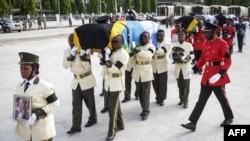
(184, 66)
(114, 78)
(160, 61)
(129, 65)
(43, 128)
(142, 68)
(79, 67)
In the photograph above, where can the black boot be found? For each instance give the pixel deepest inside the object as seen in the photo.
(191, 126)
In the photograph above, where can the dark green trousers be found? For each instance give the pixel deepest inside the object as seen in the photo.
(115, 114)
(104, 95)
(89, 100)
(128, 80)
(184, 86)
(160, 85)
(143, 89)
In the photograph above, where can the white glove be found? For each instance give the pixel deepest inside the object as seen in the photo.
(88, 51)
(106, 57)
(133, 44)
(31, 120)
(190, 73)
(184, 56)
(214, 78)
(73, 51)
(107, 50)
(82, 52)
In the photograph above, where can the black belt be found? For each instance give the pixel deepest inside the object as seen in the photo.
(215, 63)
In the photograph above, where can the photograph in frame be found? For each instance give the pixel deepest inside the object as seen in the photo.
(21, 107)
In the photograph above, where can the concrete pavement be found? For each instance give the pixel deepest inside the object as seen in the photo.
(163, 123)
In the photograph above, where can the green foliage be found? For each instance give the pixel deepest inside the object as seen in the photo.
(146, 6)
(93, 6)
(245, 3)
(137, 6)
(28, 7)
(65, 7)
(153, 6)
(126, 5)
(5, 9)
(111, 6)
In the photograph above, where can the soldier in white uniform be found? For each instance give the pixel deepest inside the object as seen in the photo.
(143, 72)
(41, 125)
(182, 54)
(82, 84)
(160, 68)
(128, 80)
(116, 63)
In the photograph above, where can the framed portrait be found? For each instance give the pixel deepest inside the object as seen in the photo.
(21, 107)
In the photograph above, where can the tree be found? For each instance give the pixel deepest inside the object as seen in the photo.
(153, 6)
(73, 7)
(137, 6)
(126, 4)
(146, 6)
(65, 7)
(111, 6)
(5, 9)
(28, 7)
(93, 6)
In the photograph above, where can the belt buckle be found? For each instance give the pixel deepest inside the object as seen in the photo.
(207, 63)
(78, 77)
(139, 62)
(110, 74)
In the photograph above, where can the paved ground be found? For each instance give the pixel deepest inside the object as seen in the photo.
(163, 123)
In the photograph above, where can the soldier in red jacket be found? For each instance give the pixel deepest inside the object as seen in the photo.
(198, 39)
(177, 27)
(228, 34)
(218, 29)
(216, 58)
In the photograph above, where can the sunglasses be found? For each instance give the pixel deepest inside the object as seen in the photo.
(116, 41)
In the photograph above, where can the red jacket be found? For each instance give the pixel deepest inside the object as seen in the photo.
(214, 51)
(218, 31)
(199, 38)
(231, 31)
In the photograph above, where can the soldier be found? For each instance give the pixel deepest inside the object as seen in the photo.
(160, 68)
(43, 105)
(240, 29)
(228, 33)
(218, 29)
(198, 39)
(143, 72)
(82, 84)
(177, 26)
(103, 20)
(114, 84)
(182, 54)
(217, 60)
(128, 80)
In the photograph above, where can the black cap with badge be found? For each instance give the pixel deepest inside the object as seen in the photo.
(182, 31)
(209, 26)
(28, 58)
